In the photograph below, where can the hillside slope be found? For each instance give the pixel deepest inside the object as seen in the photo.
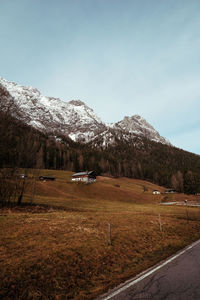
(24, 146)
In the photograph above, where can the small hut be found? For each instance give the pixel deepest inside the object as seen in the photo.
(87, 177)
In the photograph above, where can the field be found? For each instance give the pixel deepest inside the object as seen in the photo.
(60, 247)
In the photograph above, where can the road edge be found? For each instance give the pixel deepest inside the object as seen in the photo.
(130, 282)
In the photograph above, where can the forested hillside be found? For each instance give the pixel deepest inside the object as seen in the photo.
(23, 146)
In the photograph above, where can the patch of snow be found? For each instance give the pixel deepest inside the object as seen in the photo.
(36, 124)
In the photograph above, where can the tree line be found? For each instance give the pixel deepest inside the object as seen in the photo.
(24, 147)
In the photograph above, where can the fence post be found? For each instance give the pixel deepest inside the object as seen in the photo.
(109, 234)
(187, 215)
(159, 221)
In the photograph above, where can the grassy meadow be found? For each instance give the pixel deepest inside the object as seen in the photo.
(59, 247)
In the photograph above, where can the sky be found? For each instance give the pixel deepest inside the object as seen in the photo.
(121, 57)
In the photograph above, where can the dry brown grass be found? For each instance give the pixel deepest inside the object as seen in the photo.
(52, 253)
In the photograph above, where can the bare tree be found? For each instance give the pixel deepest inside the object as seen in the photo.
(14, 185)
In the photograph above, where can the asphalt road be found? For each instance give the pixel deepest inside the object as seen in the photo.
(176, 278)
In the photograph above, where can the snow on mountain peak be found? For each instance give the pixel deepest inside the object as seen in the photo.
(74, 118)
(139, 126)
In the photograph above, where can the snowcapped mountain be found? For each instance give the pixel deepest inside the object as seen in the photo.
(48, 114)
(139, 126)
(74, 118)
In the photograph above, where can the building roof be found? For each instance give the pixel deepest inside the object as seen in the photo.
(82, 173)
(47, 177)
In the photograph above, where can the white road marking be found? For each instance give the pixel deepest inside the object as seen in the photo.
(126, 286)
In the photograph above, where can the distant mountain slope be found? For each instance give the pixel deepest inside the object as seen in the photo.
(137, 125)
(73, 119)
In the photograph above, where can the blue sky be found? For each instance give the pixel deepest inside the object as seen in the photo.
(121, 57)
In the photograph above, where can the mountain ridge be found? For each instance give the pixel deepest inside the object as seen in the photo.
(73, 119)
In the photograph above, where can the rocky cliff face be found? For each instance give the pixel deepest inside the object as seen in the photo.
(74, 119)
(48, 114)
(139, 126)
